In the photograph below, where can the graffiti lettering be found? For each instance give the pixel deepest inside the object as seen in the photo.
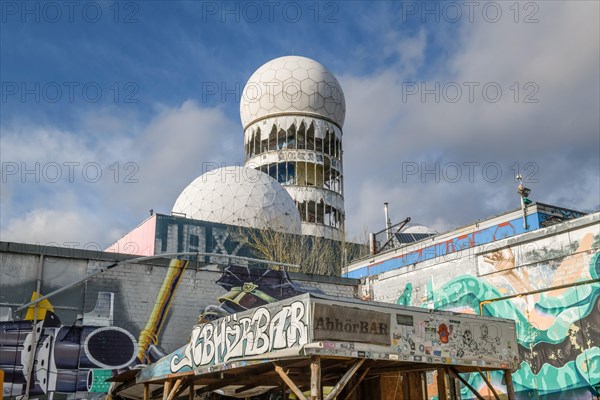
(230, 337)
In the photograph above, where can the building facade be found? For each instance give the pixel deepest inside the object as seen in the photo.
(545, 277)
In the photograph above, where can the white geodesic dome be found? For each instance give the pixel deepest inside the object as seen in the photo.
(292, 84)
(239, 196)
(420, 229)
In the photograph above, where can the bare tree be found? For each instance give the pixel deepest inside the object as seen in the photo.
(314, 255)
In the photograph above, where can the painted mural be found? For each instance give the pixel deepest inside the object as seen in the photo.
(57, 350)
(42, 355)
(551, 288)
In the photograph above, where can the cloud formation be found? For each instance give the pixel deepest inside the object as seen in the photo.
(425, 128)
(446, 159)
(61, 187)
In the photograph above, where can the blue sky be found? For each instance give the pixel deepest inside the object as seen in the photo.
(443, 159)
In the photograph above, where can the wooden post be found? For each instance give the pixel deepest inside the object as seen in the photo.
(315, 378)
(146, 391)
(441, 384)
(191, 392)
(510, 389)
(451, 385)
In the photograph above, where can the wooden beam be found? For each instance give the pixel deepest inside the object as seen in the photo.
(146, 391)
(290, 383)
(487, 382)
(315, 378)
(172, 392)
(407, 368)
(166, 390)
(441, 384)
(358, 382)
(187, 383)
(342, 383)
(471, 388)
(510, 389)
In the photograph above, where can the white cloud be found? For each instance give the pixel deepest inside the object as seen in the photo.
(558, 135)
(141, 169)
(63, 227)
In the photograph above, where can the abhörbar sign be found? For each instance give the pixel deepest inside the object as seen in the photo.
(348, 324)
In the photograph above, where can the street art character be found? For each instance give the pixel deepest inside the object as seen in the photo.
(41, 355)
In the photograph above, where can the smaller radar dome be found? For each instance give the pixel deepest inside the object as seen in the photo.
(242, 197)
(422, 229)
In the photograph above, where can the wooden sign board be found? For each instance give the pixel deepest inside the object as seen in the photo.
(350, 324)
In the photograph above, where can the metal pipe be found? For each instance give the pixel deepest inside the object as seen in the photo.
(524, 213)
(512, 296)
(388, 223)
(34, 337)
(372, 244)
(146, 258)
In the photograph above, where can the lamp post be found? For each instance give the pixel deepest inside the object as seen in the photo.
(523, 193)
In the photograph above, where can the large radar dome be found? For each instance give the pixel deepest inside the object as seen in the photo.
(239, 196)
(292, 85)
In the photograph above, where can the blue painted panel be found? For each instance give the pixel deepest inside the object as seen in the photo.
(452, 245)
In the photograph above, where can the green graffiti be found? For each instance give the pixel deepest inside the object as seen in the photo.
(404, 299)
(468, 291)
(586, 368)
(572, 305)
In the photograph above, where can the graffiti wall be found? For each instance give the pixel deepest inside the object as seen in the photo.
(548, 282)
(129, 315)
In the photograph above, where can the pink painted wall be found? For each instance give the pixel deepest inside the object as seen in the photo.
(139, 241)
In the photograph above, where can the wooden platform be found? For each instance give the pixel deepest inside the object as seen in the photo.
(356, 350)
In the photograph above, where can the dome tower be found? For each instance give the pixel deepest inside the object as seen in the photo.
(293, 110)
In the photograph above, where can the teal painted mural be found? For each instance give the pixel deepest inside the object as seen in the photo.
(552, 290)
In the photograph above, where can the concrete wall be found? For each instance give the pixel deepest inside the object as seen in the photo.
(97, 327)
(546, 280)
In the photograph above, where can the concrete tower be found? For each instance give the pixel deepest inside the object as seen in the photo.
(293, 110)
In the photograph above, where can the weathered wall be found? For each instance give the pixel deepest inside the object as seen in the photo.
(550, 277)
(120, 318)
